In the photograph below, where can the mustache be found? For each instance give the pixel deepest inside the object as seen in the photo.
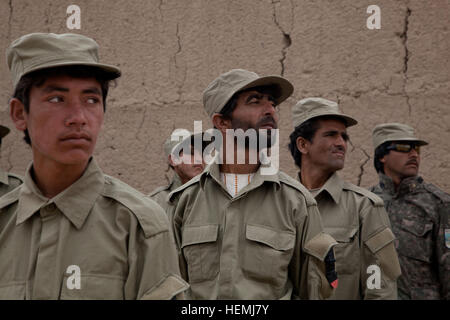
(412, 161)
(338, 148)
(267, 120)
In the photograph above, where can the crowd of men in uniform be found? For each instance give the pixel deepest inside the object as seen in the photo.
(223, 230)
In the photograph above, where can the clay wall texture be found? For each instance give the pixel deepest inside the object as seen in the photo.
(170, 50)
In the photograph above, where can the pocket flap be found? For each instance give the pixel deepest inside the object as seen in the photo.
(342, 234)
(380, 240)
(199, 234)
(416, 227)
(279, 240)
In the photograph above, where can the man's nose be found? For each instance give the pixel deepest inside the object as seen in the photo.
(76, 114)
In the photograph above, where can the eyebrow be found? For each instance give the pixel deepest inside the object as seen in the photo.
(51, 88)
(259, 96)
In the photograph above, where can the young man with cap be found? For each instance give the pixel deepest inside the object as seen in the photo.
(259, 237)
(69, 231)
(8, 181)
(352, 215)
(419, 213)
(183, 170)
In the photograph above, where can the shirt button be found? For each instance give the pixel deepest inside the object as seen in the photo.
(49, 210)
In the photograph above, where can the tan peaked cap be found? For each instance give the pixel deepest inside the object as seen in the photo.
(394, 132)
(221, 89)
(309, 108)
(36, 51)
(3, 131)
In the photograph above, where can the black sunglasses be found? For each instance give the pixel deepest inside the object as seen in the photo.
(404, 147)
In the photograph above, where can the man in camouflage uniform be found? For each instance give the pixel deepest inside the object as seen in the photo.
(184, 168)
(70, 231)
(8, 181)
(419, 213)
(244, 232)
(352, 215)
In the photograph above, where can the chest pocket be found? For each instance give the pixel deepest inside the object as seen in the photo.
(201, 251)
(267, 253)
(347, 249)
(93, 287)
(12, 291)
(415, 239)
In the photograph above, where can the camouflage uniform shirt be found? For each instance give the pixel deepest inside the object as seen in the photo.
(420, 218)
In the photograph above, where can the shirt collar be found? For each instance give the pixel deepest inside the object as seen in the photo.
(407, 185)
(213, 170)
(175, 183)
(75, 202)
(4, 177)
(333, 186)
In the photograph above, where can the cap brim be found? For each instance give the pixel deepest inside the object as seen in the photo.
(417, 141)
(112, 72)
(3, 131)
(283, 87)
(348, 120)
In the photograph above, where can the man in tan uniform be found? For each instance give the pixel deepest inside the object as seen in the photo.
(352, 215)
(243, 233)
(71, 232)
(183, 171)
(8, 181)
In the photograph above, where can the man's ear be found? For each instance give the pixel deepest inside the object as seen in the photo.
(302, 145)
(221, 123)
(383, 160)
(18, 114)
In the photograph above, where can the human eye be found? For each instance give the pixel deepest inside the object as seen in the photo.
(55, 99)
(345, 136)
(92, 100)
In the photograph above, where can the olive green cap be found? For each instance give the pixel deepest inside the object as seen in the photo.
(309, 108)
(38, 51)
(221, 89)
(394, 132)
(3, 131)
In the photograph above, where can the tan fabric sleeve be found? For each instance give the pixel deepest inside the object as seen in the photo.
(308, 270)
(154, 272)
(378, 250)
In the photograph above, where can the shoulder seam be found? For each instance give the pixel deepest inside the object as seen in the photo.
(376, 200)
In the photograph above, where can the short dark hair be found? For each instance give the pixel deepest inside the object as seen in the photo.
(306, 130)
(229, 107)
(380, 152)
(38, 78)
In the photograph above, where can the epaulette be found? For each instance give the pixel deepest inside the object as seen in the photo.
(286, 179)
(149, 214)
(377, 201)
(158, 190)
(181, 188)
(10, 197)
(440, 194)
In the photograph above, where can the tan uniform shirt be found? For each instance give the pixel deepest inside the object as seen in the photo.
(266, 243)
(8, 182)
(356, 218)
(161, 194)
(98, 239)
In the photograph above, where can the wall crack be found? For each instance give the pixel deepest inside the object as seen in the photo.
(287, 41)
(404, 37)
(11, 9)
(361, 167)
